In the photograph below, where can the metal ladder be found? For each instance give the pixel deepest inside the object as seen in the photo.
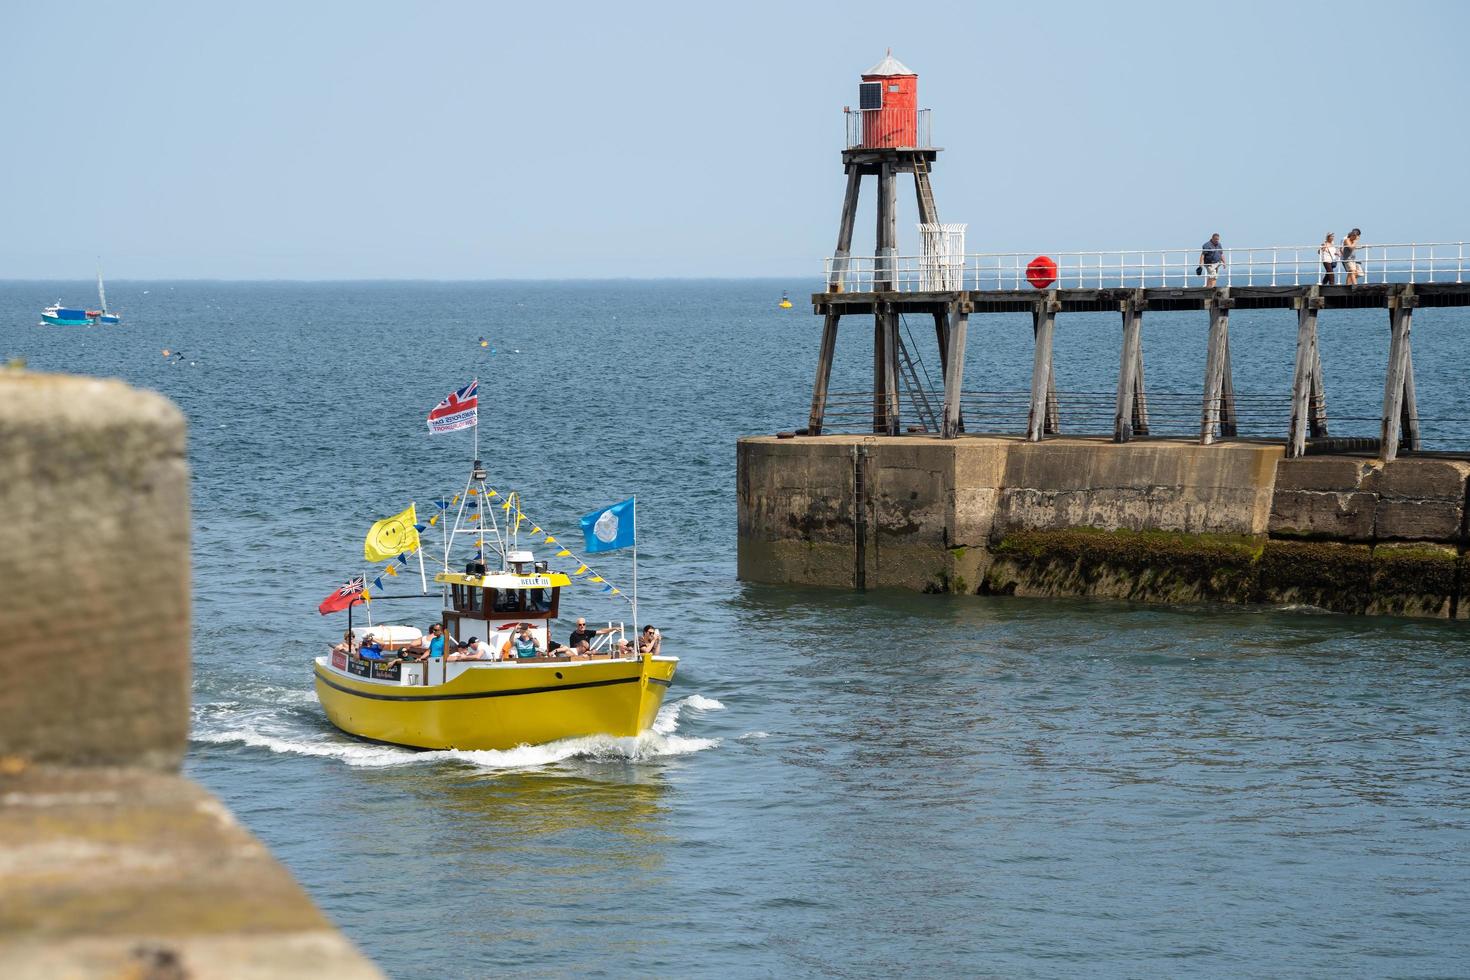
(928, 210)
(918, 394)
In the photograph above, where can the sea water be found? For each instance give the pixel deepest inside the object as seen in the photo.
(838, 784)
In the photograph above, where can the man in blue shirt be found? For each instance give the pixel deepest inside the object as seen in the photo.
(432, 646)
(1211, 260)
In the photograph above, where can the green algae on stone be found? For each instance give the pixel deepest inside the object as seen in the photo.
(1151, 565)
(1328, 574)
(1414, 579)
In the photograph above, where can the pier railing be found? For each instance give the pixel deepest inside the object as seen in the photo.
(1274, 265)
(894, 126)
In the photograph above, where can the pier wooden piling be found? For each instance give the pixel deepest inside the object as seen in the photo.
(1041, 419)
(1218, 411)
(1400, 413)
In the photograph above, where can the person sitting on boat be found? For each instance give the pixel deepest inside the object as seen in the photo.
(625, 649)
(474, 649)
(371, 649)
(522, 645)
(346, 645)
(582, 638)
(432, 646)
(650, 641)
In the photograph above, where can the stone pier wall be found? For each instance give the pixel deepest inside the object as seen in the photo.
(111, 863)
(1159, 520)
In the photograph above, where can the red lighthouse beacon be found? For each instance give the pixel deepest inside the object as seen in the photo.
(888, 99)
(888, 137)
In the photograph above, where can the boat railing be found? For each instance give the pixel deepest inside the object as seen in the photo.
(604, 643)
(1272, 265)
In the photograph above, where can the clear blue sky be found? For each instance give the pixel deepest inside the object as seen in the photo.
(456, 140)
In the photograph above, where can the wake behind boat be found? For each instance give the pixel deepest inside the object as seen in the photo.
(488, 675)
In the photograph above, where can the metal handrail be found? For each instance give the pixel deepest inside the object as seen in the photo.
(1272, 265)
(872, 127)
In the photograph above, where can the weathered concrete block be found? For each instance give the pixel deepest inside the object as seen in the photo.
(94, 473)
(796, 563)
(1325, 574)
(121, 860)
(981, 462)
(1418, 520)
(972, 515)
(1414, 580)
(790, 489)
(1314, 514)
(1425, 479)
(1165, 486)
(1334, 474)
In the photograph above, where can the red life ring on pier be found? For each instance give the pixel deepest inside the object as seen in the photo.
(1041, 272)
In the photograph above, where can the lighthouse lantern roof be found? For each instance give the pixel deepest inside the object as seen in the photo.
(888, 66)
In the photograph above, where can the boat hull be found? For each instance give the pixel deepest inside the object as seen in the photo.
(57, 321)
(500, 706)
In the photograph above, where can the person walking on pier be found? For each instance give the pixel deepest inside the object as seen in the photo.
(1351, 264)
(1327, 252)
(1211, 259)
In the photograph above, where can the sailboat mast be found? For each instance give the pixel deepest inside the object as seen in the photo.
(101, 293)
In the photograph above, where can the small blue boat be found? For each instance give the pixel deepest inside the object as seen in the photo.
(68, 316)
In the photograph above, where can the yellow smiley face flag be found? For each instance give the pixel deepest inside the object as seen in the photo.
(392, 536)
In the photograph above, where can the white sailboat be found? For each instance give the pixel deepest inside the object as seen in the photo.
(104, 315)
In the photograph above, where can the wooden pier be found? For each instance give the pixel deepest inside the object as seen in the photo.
(951, 311)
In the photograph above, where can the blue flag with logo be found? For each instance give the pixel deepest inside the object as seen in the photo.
(610, 528)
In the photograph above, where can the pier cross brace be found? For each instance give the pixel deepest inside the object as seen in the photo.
(1308, 399)
(1400, 410)
(1042, 417)
(953, 344)
(1132, 408)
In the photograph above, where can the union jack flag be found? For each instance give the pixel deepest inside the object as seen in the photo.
(460, 410)
(349, 595)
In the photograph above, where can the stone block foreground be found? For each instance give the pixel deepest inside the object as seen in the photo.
(111, 863)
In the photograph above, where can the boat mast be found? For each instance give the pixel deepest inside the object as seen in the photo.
(101, 293)
(475, 489)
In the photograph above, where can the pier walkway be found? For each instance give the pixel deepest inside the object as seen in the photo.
(949, 288)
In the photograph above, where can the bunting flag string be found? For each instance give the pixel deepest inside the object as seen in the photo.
(510, 503)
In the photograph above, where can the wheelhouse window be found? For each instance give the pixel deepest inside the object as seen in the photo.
(538, 601)
(467, 598)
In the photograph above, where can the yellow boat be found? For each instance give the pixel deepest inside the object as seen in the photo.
(443, 703)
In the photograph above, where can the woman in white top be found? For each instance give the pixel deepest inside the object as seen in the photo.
(1327, 252)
